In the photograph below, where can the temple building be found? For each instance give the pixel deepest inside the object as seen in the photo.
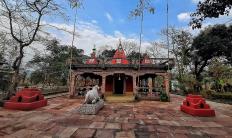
(120, 75)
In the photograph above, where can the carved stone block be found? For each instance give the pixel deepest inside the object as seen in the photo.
(91, 109)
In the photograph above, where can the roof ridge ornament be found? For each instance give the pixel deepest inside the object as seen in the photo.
(94, 48)
(120, 45)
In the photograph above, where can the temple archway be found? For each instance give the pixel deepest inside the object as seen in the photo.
(119, 83)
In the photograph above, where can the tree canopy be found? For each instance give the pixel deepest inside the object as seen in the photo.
(210, 9)
(52, 68)
(212, 42)
(107, 53)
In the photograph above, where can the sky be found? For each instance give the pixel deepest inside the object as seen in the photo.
(104, 22)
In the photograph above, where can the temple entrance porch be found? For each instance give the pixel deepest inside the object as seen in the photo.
(148, 84)
(119, 84)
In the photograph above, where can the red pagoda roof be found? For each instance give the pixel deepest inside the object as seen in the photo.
(146, 59)
(119, 56)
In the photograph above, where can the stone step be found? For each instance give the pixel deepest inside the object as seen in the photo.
(119, 98)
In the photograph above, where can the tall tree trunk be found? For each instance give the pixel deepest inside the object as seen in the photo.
(15, 78)
(198, 70)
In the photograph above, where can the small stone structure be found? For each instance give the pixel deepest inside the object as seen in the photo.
(196, 105)
(26, 99)
(91, 109)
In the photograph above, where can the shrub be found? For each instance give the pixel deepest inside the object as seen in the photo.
(164, 97)
(225, 95)
(183, 89)
(207, 93)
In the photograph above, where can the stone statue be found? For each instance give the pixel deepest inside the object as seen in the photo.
(92, 96)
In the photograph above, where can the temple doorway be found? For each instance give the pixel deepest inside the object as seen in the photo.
(119, 84)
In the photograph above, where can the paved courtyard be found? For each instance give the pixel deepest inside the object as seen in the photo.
(142, 119)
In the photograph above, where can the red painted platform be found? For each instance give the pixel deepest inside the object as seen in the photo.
(26, 99)
(195, 105)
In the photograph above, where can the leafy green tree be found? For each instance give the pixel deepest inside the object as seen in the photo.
(212, 42)
(23, 25)
(221, 74)
(37, 77)
(24, 22)
(107, 54)
(53, 68)
(134, 55)
(210, 9)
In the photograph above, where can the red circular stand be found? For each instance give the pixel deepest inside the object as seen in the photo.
(26, 99)
(196, 105)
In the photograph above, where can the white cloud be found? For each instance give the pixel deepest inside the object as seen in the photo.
(184, 17)
(109, 17)
(118, 34)
(195, 1)
(88, 34)
(94, 21)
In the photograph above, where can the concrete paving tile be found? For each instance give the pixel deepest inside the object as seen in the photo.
(24, 133)
(128, 126)
(168, 123)
(67, 132)
(97, 125)
(113, 126)
(125, 134)
(214, 131)
(213, 124)
(105, 133)
(165, 135)
(39, 118)
(84, 133)
(142, 134)
(181, 130)
(162, 129)
(180, 135)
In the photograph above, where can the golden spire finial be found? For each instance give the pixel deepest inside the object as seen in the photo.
(120, 44)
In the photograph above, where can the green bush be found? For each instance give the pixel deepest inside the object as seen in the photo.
(183, 89)
(164, 97)
(207, 93)
(225, 95)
